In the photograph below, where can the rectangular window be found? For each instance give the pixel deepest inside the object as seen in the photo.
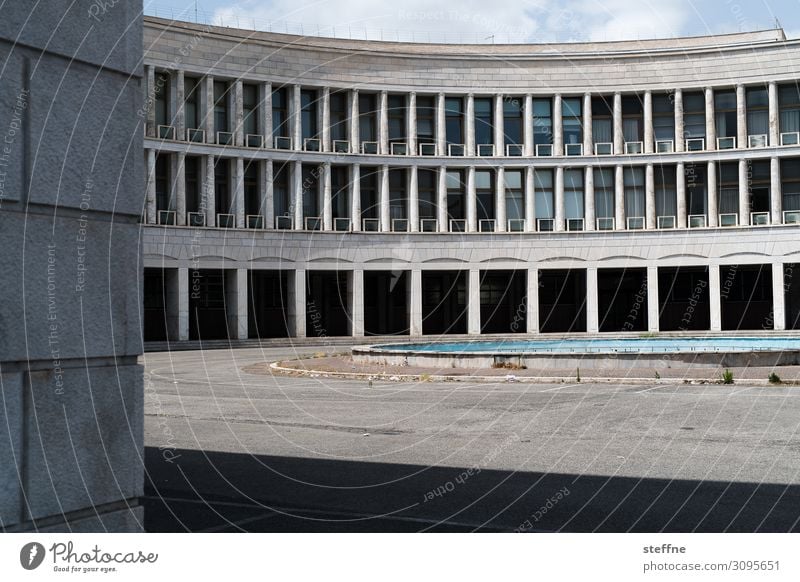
(426, 114)
(759, 180)
(604, 192)
(161, 90)
(632, 119)
(192, 181)
(543, 193)
(221, 106)
(725, 113)
(281, 200)
(397, 118)
(571, 116)
(252, 203)
(694, 115)
(308, 109)
(454, 120)
(542, 121)
(484, 192)
(163, 201)
(369, 192)
(696, 195)
(757, 100)
(512, 120)
(602, 121)
(484, 121)
(191, 108)
(222, 186)
(515, 197)
(340, 196)
(728, 188)
(573, 194)
(397, 193)
(339, 117)
(665, 184)
(367, 117)
(663, 118)
(455, 194)
(250, 109)
(280, 113)
(310, 184)
(789, 103)
(790, 183)
(634, 192)
(426, 187)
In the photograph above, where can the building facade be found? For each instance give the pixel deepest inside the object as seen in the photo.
(302, 187)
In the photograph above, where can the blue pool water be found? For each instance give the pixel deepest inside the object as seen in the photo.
(599, 346)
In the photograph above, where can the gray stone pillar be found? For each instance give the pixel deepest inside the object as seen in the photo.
(680, 140)
(297, 303)
(383, 124)
(530, 201)
(741, 117)
(588, 142)
(357, 303)
(558, 127)
(415, 303)
(774, 125)
(778, 297)
(326, 119)
(714, 297)
(559, 199)
(237, 294)
(411, 119)
(180, 189)
(441, 133)
(592, 310)
(532, 301)
(775, 191)
(150, 192)
(619, 199)
(713, 197)
(355, 197)
(499, 136)
(680, 193)
(296, 181)
(441, 200)
(238, 113)
(209, 195)
(711, 125)
(296, 118)
(327, 211)
(588, 200)
(619, 139)
(384, 200)
(500, 200)
(265, 119)
(652, 298)
(744, 193)
(413, 199)
(648, 122)
(470, 124)
(268, 189)
(354, 122)
(474, 302)
(183, 304)
(150, 100)
(238, 192)
(472, 202)
(208, 109)
(527, 125)
(180, 98)
(650, 197)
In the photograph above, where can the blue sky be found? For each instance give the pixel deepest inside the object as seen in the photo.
(506, 20)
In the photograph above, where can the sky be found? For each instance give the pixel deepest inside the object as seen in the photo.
(493, 20)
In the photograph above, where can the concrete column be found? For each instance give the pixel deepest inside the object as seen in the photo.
(297, 303)
(238, 113)
(326, 119)
(413, 199)
(559, 201)
(711, 125)
(741, 118)
(383, 124)
(383, 197)
(355, 197)
(238, 192)
(619, 199)
(149, 97)
(649, 197)
(680, 193)
(441, 200)
(472, 201)
(470, 124)
(150, 193)
(778, 297)
(588, 200)
(532, 301)
(713, 198)
(680, 141)
(183, 303)
(474, 302)
(592, 310)
(530, 205)
(774, 125)
(208, 109)
(265, 121)
(180, 189)
(618, 135)
(241, 304)
(714, 297)
(558, 127)
(415, 303)
(527, 125)
(499, 136)
(327, 211)
(500, 200)
(296, 181)
(209, 195)
(648, 122)
(441, 134)
(268, 190)
(775, 193)
(652, 298)
(180, 99)
(744, 193)
(354, 118)
(588, 146)
(296, 119)
(357, 305)
(411, 123)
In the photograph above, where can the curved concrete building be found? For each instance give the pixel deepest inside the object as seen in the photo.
(311, 187)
